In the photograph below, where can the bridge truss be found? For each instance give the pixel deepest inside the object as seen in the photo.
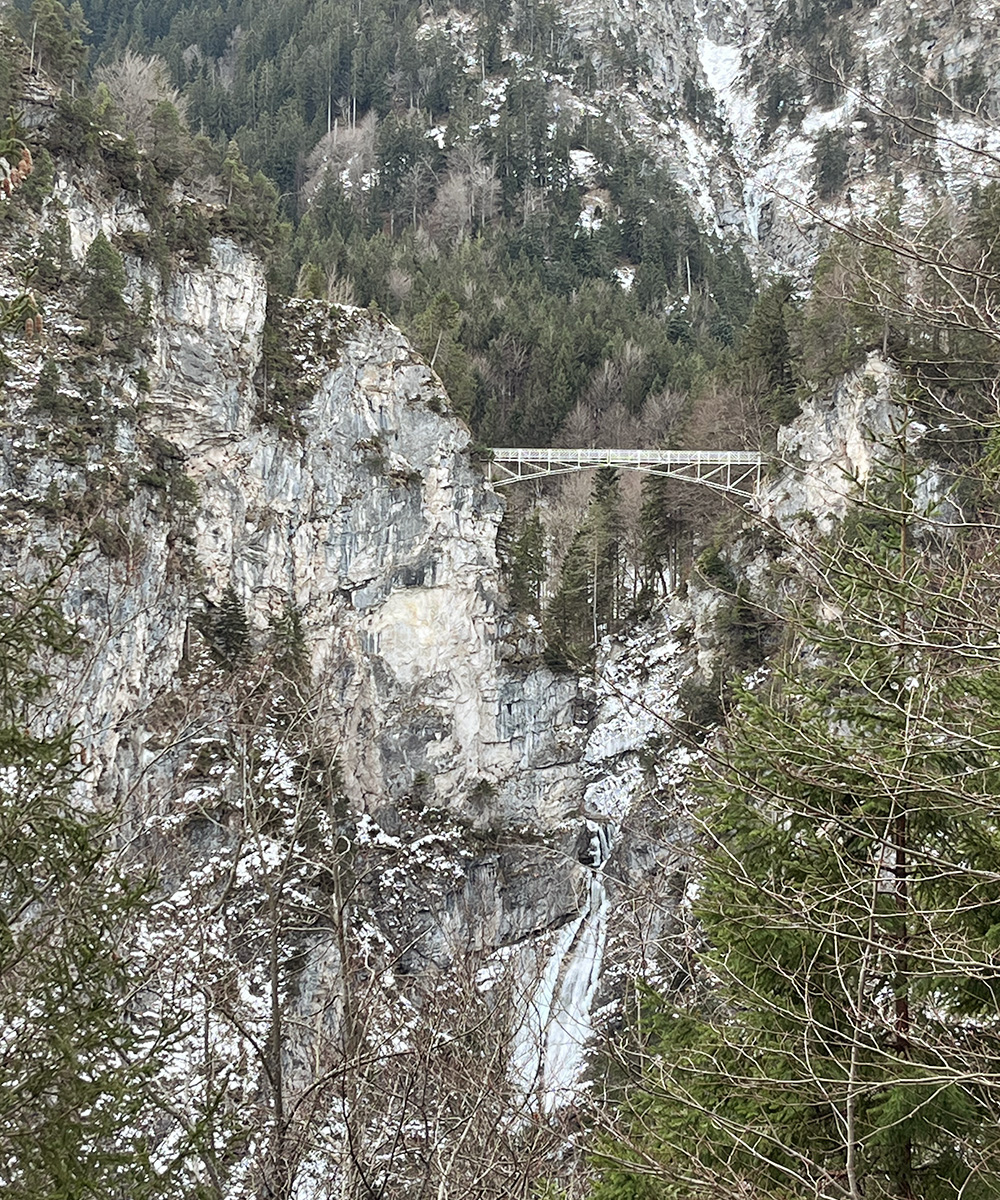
(737, 472)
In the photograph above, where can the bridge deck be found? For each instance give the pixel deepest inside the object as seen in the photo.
(735, 471)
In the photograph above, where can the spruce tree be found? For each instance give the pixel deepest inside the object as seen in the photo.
(226, 629)
(569, 622)
(841, 1037)
(104, 278)
(830, 161)
(76, 1117)
(606, 533)
(766, 352)
(588, 600)
(527, 568)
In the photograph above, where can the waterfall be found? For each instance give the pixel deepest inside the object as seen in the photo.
(550, 1043)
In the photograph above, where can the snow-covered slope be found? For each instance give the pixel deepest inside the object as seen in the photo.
(741, 97)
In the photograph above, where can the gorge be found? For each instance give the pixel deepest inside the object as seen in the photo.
(431, 860)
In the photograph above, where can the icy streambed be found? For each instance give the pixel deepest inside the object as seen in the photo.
(550, 1042)
(636, 691)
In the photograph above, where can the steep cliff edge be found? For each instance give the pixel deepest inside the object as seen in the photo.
(368, 518)
(376, 817)
(251, 483)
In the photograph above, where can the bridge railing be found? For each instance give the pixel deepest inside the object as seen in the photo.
(738, 472)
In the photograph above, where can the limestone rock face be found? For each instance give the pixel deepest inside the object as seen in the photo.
(744, 101)
(355, 505)
(406, 801)
(832, 448)
(295, 467)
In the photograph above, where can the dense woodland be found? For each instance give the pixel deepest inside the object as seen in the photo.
(830, 1025)
(427, 169)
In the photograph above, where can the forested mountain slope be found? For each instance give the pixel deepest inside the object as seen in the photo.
(451, 194)
(560, 204)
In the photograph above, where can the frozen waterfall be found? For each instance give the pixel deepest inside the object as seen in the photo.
(550, 1042)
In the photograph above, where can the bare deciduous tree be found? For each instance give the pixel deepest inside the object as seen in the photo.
(348, 151)
(137, 84)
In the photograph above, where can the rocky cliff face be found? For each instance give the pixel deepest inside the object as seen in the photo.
(369, 519)
(372, 809)
(782, 120)
(419, 743)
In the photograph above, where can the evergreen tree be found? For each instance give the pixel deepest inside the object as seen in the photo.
(47, 387)
(226, 629)
(527, 571)
(589, 599)
(605, 521)
(57, 34)
(75, 1111)
(840, 1037)
(830, 160)
(569, 618)
(103, 305)
(291, 658)
(666, 537)
(170, 148)
(437, 334)
(766, 351)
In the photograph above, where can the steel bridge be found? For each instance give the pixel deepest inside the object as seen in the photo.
(737, 472)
